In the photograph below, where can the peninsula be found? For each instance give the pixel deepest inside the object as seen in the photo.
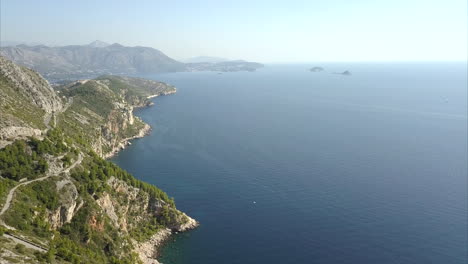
(60, 200)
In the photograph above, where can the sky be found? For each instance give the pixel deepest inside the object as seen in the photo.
(263, 31)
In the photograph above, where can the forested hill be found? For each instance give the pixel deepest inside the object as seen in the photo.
(57, 194)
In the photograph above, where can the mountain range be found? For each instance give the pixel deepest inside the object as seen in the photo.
(98, 58)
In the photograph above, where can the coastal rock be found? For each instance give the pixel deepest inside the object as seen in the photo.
(186, 223)
(148, 251)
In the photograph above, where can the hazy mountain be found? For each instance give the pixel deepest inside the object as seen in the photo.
(98, 44)
(224, 66)
(201, 59)
(97, 58)
(8, 43)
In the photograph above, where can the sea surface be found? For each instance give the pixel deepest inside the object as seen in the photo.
(284, 165)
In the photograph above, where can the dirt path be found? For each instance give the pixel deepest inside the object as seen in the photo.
(7, 205)
(27, 244)
(12, 191)
(48, 117)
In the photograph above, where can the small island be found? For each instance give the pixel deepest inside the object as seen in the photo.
(346, 73)
(317, 69)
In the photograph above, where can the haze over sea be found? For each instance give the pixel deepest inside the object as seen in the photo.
(284, 165)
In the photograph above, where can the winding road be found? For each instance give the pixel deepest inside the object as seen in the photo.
(12, 191)
(7, 205)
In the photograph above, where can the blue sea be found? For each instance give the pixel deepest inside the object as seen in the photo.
(283, 165)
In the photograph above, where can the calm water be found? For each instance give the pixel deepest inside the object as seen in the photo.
(288, 166)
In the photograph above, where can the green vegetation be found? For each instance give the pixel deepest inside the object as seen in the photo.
(5, 186)
(20, 248)
(95, 97)
(136, 90)
(96, 171)
(25, 159)
(18, 161)
(53, 144)
(29, 210)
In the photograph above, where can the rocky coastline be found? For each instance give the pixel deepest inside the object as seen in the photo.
(142, 133)
(148, 250)
(126, 142)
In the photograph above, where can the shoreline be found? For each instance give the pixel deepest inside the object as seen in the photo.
(127, 141)
(148, 251)
(123, 143)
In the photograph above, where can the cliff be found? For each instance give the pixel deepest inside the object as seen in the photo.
(57, 192)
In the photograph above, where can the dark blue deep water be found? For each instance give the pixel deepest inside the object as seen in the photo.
(287, 166)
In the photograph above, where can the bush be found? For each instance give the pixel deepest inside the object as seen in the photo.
(20, 248)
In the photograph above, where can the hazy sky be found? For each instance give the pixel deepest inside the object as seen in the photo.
(265, 31)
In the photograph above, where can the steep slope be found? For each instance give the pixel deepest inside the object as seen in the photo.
(61, 200)
(27, 102)
(102, 110)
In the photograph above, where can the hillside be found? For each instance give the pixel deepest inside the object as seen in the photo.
(60, 201)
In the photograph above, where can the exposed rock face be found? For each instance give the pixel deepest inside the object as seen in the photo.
(31, 85)
(69, 203)
(185, 223)
(106, 204)
(19, 132)
(122, 143)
